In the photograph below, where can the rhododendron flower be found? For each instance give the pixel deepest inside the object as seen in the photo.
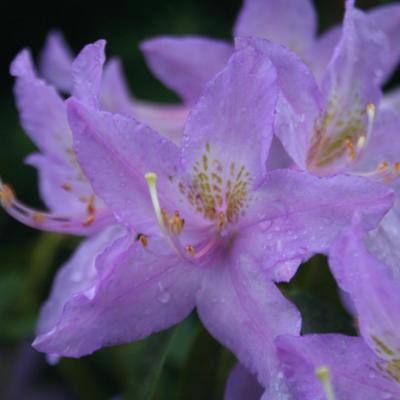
(365, 367)
(181, 65)
(74, 208)
(211, 226)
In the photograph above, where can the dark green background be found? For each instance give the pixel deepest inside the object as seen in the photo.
(184, 362)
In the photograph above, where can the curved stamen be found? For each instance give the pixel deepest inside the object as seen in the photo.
(43, 220)
(324, 375)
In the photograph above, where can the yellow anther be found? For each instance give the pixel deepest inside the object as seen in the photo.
(7, 195)
(324, 375)
(382, 167)
(176, 223)
(397, 166)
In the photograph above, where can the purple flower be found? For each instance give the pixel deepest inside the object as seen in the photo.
(73, 205)
(212, 227)
(365, 367)
(180, 63)
(74, 208)
(56, 67)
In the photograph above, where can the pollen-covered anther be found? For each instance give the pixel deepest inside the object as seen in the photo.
(89, 220)
(7, 196)
(176, 223)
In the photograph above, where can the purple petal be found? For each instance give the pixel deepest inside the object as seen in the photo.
(55, 63)
(353, 75)
(114, 94)
(287, 22)
(167, 119)
(321, 52)
(242, 385)
(76, 276)
(392, 99)
(115, 153)
(299, 103)
(135, 293)
(87, 71)
(353, 368)
(186, 64)
(42, 110)
(373, 290)
(382, 145)
(245, 311)
(298, 215)
(387, 19)
(234, 113)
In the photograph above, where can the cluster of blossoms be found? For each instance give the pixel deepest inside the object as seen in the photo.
(284, 146)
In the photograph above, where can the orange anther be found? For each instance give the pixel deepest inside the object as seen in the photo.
(67, 187)
(350, 147)
(190, 249)
(89, 220)
(7, 195)
(38, 217)
(144, 240)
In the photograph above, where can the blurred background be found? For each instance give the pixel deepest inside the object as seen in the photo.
(184, 362)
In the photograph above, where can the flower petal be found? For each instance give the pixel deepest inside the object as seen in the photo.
(181, 64)
(55, 64)
(384, 143)
(245, 311)
(298, 215)
(387, 19)
(235, 112)
(242, 385)
(115, 153)
(372, 289)
(353, 368)
(42, 110)
(137, 291)
(291, 23)
(299, 99)
(77, 275)
(353, 76)
(87, 71)
(114, 92)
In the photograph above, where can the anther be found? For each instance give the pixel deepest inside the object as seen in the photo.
(38, 217)
(67, 187)
(7, 195)
(144, 240)
(324, 376)
(352, 154)
(382, 167)
(190, 249)
(221, 220)
(176, 224)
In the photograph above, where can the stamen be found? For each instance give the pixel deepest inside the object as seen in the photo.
(371, 113)
(151, 179)
(144, 240)
(323, 374)
(190, 249)
(352, 154)
(40, 219)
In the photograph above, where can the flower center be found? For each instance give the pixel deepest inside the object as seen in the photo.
(220, 196)
(340, 139)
